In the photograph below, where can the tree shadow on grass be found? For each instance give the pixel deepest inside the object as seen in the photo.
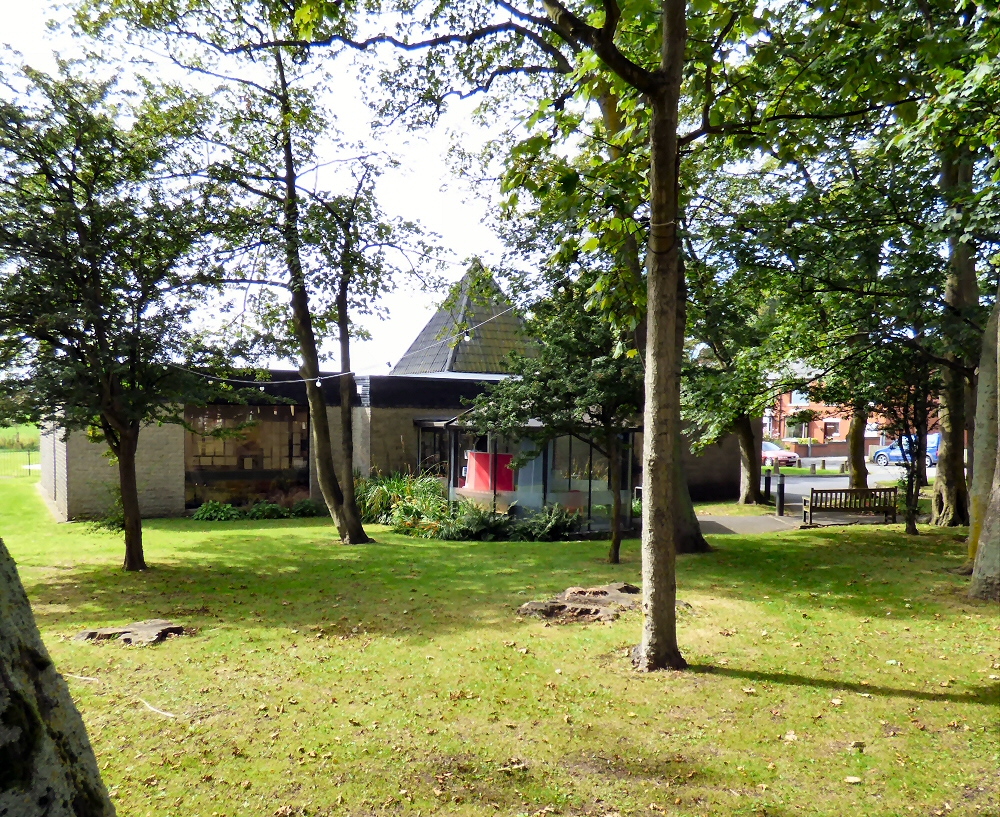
(292, 576)
(987, 695)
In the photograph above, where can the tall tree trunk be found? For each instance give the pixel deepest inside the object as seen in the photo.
(750, 493)
(126, 448)
(950, 505)
(986, 439)
(352, 516)
(47, 765)
(857, 464)
(303, 327)
(614, 449)
(687, 531)
(658, 648)
(986, 573)
(971, 410)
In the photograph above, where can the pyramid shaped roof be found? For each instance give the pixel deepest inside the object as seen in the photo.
(494, 328)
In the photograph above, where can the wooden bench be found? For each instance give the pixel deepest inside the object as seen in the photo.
(850, 500)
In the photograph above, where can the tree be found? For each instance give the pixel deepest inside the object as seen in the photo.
(354, 256)
(903, 395)
(574, 384)
(97, 286)
(986, 572)
(578, 218)
(47, 765)
(808, 65)
(731, 318)
(262, 149)
(985, 439)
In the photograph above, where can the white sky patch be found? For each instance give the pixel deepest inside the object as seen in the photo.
(422, 188)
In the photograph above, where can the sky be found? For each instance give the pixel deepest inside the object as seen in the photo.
(422, 189)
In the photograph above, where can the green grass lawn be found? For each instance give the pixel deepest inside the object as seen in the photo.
(395, 678)
(20, 436)
(732, 509)
(793, 471)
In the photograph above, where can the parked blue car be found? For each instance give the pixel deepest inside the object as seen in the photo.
(893, 454)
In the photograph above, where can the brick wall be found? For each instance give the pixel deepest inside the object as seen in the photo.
(361, 428)
(394, 439)
(54, 483)
(79, 479)
(715, 473)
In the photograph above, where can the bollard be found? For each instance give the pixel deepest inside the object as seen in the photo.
(822, 465)
(777, 468)
(843, 468)
(812, 468)
(767, 485)
(781, 495)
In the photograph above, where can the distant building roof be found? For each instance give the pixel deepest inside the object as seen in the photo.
(494, 331)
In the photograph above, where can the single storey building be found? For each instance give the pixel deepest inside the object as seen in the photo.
(408, 421)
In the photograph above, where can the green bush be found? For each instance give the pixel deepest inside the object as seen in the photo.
(379, 495)
(420, 515)
(213, 511)
(431, 517)
(473, 522)
(551, 524)
(113, 519)
(266, 510)
(307, 507)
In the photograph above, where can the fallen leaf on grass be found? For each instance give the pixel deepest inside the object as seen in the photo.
(836, 701)
(852, 780)
(750, 690)
(790, 736)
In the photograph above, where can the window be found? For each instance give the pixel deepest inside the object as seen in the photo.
(263, 455)
(800, 398)
(831, 429)
(796, 430)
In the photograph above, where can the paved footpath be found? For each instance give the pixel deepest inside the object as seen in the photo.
(747, 524)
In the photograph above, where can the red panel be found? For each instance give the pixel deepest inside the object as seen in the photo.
(480, 469)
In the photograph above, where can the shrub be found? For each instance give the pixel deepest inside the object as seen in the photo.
(379, 495)
(307, 507)
(266, 510)
(476, 523)
(420, 515)
(113, 519)
(431, 517)
(213, 511)
(550, 524)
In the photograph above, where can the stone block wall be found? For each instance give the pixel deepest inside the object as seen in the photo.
(78, 478)
(394, 439)
(54, 482)
(714, 474)
(361, 430)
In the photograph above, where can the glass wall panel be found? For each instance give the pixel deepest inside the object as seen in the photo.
(434, 454)
(261, 454)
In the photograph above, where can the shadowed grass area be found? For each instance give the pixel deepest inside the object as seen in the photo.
(396, 678)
